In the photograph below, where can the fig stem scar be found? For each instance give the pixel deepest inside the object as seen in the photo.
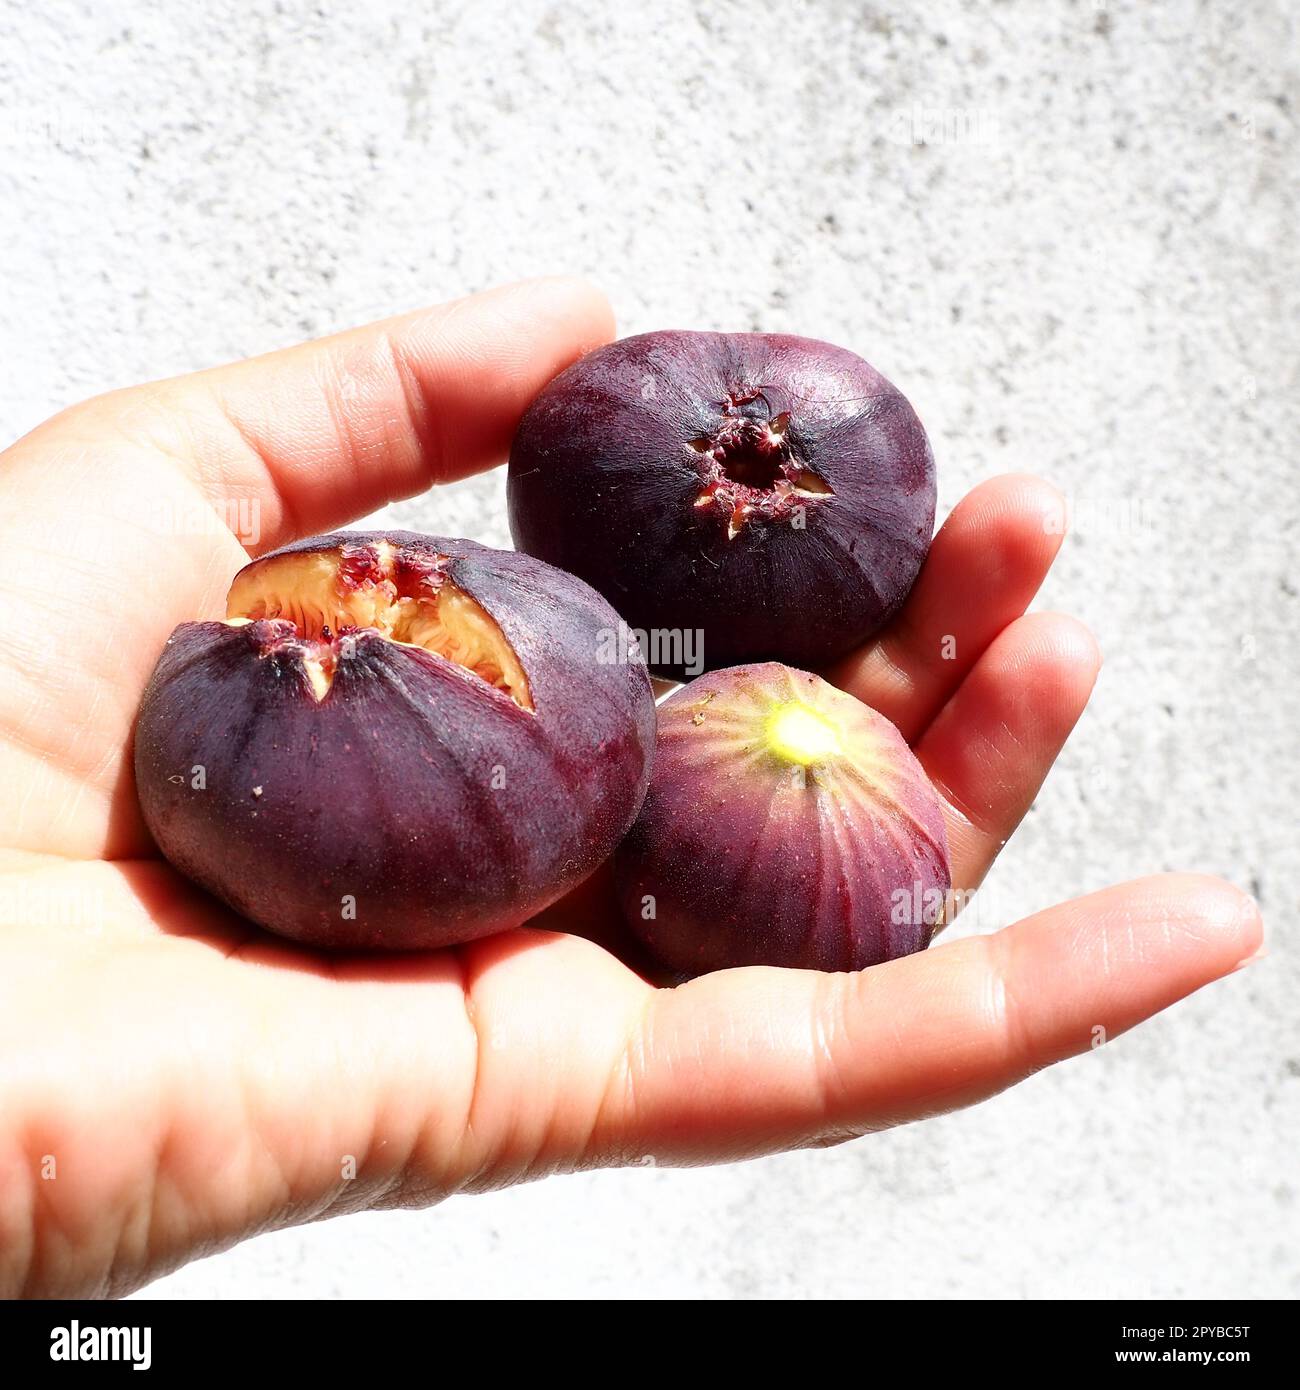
(801, 735)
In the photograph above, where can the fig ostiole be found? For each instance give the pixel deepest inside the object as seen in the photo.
(769, 495)
(786, 824)
(394, 741)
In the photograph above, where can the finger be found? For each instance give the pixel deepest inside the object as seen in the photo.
(984, 568)
(750, 1061)
(993, 743)
(325, 432)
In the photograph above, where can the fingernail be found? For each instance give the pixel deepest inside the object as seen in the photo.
(1249, 960)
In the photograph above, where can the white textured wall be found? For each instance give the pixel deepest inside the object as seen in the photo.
(1091, 273)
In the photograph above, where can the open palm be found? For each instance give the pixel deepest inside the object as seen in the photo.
(173, 1080)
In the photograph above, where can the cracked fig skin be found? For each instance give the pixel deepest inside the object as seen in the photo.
(394, 741)
(786, 824)
(774, 492)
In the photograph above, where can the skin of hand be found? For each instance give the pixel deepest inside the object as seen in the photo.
(173, 1080)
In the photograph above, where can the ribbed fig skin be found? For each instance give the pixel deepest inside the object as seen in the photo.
(429, 799)
(605, 481)
(751, 859)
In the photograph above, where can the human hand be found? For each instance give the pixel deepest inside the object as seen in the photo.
(173, 1080)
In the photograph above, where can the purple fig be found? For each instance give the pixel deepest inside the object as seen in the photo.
(786, 824)
(394, 741)
(761, 495)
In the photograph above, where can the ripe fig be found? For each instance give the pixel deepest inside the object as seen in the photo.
(761, 495)
(394, 741)
(786, 824)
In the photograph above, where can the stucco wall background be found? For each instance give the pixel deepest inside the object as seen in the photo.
(1067, 231)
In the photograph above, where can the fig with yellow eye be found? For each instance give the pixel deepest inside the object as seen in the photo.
(786, 824)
